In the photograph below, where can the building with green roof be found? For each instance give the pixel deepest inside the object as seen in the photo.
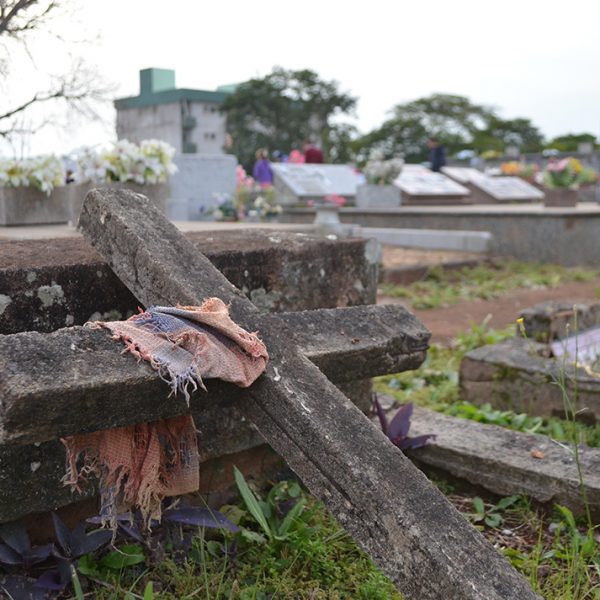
(187, 119)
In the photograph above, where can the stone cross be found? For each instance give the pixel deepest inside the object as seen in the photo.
(389, 507)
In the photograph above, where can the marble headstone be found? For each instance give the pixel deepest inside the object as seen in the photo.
(420, 185)
(200, 177)
(295, 183)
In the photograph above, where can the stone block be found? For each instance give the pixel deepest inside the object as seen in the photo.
(554, 320)
(48, 284)
(29, 206)
(378, 196)
(508, 462)
(516, 375)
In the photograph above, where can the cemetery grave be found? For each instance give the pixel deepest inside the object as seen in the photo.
(533, 376)
(420, 186)
(485, 189)
(301, 183)
(299, 420)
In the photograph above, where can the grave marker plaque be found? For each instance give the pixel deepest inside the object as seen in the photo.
(295, 183)
(420, 186)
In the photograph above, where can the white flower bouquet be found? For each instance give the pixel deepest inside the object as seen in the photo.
(149, 163)
(382, 172)
(42, 172)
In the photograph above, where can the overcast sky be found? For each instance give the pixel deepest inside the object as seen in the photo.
(536, 59)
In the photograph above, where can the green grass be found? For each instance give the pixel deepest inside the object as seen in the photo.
(444, 288)
(310, 558)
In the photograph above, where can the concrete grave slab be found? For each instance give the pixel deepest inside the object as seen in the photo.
(82, 366)
(42, 281)
(517, 375)
(508, 462)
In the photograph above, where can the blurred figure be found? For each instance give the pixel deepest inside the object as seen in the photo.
(312, 154)
(437, 154)
(262, 172)
(278, 156)
(296, 157)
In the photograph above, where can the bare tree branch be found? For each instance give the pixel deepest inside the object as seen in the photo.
(19, 16)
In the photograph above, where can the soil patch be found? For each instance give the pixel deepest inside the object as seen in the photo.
(446, 323)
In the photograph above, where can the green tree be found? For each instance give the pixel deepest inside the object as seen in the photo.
(454, 120)
(570, 141)
(500, 133)
(282, 110)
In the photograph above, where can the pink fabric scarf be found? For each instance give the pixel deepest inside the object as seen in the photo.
(140, 464)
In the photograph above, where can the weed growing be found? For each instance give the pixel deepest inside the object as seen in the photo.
(443, 288)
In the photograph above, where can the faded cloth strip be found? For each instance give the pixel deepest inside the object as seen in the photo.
(140, 464)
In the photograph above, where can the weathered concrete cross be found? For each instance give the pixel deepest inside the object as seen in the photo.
(405, 524)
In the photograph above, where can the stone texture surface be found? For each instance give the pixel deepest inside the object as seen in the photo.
(516, 375)
(29, 206)
(553, 320)
(49, 284)
(406, 525)
(83, 375)
(501, 460)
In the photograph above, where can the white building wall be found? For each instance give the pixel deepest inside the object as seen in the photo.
(160, 121)
(209, 133)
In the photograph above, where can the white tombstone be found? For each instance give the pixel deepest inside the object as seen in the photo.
(420, 185)
(487, 189)
(507, 189)
(294, 183)
(199, 179)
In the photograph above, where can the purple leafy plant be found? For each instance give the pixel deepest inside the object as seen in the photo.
(397, 429)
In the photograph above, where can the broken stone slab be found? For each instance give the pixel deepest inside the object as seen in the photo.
(515, 375)
(81, 374)
(30, 474)
(49, 284)
(406, 525)
(553, 320)
(508, 462)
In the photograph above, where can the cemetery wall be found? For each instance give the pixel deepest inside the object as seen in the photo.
(562, 236)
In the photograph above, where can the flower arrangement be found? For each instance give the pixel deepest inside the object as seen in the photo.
(149, 163)
(567, 173)
(265, 206)
(382, 172)
(226, 209)
(519, 169)
(43, 173)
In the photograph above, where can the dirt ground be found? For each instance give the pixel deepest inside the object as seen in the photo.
(446, 323)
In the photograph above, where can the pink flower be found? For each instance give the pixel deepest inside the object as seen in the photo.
(558, 166)
(335, 199)
(240, 175)
(296, 157)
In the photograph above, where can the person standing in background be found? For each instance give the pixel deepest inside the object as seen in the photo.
(312, 154)
(437, 154)
(262, 172)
